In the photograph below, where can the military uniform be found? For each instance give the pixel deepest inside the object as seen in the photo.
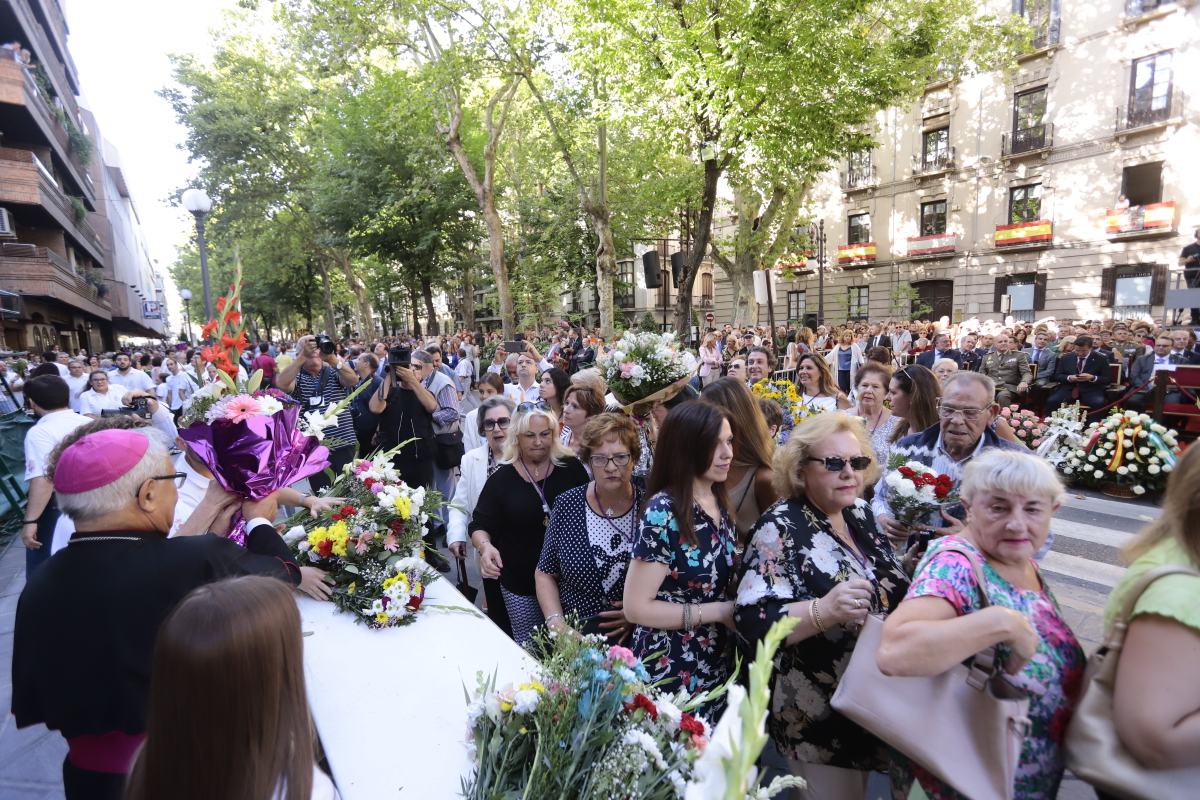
(1007, 370)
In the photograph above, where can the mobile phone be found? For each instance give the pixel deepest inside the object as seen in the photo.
(514, 347)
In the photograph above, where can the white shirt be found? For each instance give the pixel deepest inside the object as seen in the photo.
(190, 495)
(134, 379)
(180, 387)
(465, 371)
(62, 369)
(514, 392)
(92, 402)
(77, 386)
(41, 439)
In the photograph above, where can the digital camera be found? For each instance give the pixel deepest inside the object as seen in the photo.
(400, 356)
(325, 344)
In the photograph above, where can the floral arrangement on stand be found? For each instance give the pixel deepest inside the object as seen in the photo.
(642, 368)
(252, 440)
(1027, 426)
(371, 545)
(1063, 434)
(1127, 454)
(588, 726)
(914, 492)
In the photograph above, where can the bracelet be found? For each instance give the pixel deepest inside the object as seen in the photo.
(31, 521)
(815, 612)
(551, 618)
(699, 615)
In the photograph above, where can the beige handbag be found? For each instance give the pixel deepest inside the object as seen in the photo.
(966, 726)
(1094, 751)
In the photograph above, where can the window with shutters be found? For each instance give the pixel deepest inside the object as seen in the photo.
(933, 218)
(1027, 291)
(859, 229)
(795, 305)
(858, 303)
(664, 287)
(706, 290)
(1025, 203)
(935, 149)
(1133, 290)
(623, 289)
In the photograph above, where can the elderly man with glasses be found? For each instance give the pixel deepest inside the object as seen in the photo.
(963, 431)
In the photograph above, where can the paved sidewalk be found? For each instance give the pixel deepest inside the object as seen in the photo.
(31, 758)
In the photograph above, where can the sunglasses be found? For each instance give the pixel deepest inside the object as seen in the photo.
(524, 408)
(492, 424)
(837, 463)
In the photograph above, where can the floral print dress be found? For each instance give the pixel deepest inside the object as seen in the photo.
(794, 555)
(1052, 677)
(693, 660)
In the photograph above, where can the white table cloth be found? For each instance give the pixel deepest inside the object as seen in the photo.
(389, 704)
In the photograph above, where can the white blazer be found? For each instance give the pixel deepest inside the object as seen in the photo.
(856, 361)
(473, 474)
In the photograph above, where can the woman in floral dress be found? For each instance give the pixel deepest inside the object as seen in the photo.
(818, 556)
(677, 587)
(1010, 497)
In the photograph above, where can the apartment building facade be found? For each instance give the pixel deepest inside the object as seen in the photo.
(1065, 188)
(65, 232)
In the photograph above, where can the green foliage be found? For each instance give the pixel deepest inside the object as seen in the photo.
(906, 302)
(648, 324)
(78, 209)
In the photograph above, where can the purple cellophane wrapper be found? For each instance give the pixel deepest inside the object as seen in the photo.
(252, 459)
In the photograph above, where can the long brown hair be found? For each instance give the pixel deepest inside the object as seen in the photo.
(923, 390)
(752, 445)
(825, 382)
(228, 714)
(1180, 517)
(690, 434)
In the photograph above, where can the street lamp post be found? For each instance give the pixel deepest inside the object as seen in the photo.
(186, 296)
(816, 235)
(199, 203)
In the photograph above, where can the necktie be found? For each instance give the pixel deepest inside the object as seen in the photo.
(1036, 355)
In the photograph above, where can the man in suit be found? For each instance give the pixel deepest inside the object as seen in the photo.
(970, 359)
(1009, 369)
(876, 338)
(1183, 347)
(941, 349)
(1041, 356)
(1141, 375)
(1082, 375)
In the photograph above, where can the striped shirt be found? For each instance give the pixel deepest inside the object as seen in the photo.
(328, 386)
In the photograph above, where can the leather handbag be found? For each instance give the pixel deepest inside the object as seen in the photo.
(1093, 749)
(448, 449)
(978, 719)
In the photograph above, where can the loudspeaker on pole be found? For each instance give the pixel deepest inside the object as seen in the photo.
(650, 265)
(678, 261)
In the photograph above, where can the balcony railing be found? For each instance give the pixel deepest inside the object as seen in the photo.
(1129, 222)
(860, 178)
(1047, 35)
(934, 246)
(1131, 118)
(1027, 140)
(62, 273)
(933, 163)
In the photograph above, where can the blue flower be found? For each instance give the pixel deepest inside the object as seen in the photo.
(625, 674)
(601, 675)
(593, 655)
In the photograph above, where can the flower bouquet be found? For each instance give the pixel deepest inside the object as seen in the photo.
(371, 545)
(914, 492)
(253, 441)
(587, 726)
(1126, 454)
(1027, 426)
(1063, 434)
(643, 368)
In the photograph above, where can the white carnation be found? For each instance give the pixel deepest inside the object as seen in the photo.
(1139, 489)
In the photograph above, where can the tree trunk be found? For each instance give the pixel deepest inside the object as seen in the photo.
(468, 300)
(365, 313)
(416, 319)
(606, 266)
(708, 201)
(323, 264)
(431, 327)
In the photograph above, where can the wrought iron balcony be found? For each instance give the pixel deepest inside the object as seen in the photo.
(1147, 115)
(854, 179)
(934, 162)
(1027, 140)
(1047, 34)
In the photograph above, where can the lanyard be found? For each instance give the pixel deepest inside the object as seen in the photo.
(539, 488)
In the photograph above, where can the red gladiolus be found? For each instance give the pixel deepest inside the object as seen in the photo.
(233, 316)
(689, 724)
(211, 353)
(221, 303)
(209, 329)
(644, 703)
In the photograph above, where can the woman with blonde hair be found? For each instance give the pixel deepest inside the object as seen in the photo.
(819, 557)
(750, 482)
(818, 391)
(1010, 497)
(710, 359)
(845, 358)
(510, 519)
(1156, 699)
(228, 714)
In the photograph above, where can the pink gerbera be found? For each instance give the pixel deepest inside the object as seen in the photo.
(242, 408)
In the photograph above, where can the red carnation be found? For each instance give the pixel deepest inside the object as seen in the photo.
(689, 724)
(369, 482)
(396, 525)
(644, 703)
(940, 492)
(907, 472)
(337, 517)
(944, 480)
(348, 511)
(415, 601)
(325, 548)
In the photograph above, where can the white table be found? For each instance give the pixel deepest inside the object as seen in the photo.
(389, 704)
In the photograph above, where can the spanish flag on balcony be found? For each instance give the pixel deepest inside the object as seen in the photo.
(856, 253)
(1156, 216)
(1039, 230)
(932, 245)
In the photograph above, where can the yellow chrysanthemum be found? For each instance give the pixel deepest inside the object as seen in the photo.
(403, 507)
(381, 618)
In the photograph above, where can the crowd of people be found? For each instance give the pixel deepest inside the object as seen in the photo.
(682, 528)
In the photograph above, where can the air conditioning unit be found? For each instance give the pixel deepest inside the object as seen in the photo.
(7, 230)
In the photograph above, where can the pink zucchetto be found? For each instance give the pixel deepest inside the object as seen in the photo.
(98, 459)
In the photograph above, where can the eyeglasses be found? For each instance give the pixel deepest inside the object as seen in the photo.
(837, 463)
(492, 424)
(525, 408)
(968, 414)
(601, 461)
(180, 478)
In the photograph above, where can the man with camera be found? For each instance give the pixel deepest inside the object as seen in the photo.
(317, 379)
(414, 402)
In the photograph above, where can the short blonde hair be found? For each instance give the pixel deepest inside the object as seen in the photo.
(590, 378)
(1011, 472)
(520, 424)
(805, 437)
